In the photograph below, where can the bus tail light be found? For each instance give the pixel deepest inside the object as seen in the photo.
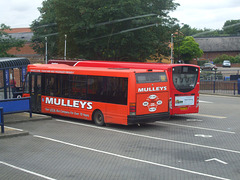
(170, 103)
(197, 104)
(133, 109)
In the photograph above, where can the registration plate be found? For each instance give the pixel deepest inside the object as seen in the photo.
(183, 108)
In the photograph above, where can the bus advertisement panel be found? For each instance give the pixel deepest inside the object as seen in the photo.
(104, 95)
(184, 80)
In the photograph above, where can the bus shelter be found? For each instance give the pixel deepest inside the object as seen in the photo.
(12, 74)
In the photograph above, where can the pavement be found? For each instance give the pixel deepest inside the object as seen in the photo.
(18, 118)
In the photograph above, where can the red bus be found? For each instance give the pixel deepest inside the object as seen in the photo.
(184, 80)
(103, 95)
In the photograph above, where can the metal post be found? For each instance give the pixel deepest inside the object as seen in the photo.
(234, 88)
(214, 86)
(171, 48)
(1, 120)
(46, 60)
(238, 85)
(215, 74)
(65, 47)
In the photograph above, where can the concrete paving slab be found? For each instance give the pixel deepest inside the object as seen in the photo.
(18, 118)
(11, 132)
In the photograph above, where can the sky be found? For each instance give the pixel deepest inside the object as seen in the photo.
(211, 14)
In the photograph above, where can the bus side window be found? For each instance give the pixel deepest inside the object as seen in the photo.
(65, 85)
(77, 86)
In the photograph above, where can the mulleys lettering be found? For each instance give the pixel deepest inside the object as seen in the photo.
(68, 103)
(152, 89)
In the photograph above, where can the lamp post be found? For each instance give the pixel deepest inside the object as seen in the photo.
(46, 50)
(171, 48)
(65, 47)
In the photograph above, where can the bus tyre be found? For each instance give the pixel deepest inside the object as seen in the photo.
(98, 118)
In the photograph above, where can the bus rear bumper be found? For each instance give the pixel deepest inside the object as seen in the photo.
(138, 119)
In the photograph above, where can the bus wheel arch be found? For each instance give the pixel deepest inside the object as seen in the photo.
(98, 117)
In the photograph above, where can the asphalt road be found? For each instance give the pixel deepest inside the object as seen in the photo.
(232, 70)
(200, 146)
(225, 70)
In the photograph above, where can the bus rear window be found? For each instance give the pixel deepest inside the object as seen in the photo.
(151, 77)
(185, 78)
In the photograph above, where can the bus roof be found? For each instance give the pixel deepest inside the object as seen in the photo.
(137, 65)
(66, 69)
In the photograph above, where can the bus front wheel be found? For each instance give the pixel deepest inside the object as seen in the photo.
(98, 118)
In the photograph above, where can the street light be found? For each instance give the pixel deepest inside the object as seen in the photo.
(65, 47)
(46, 50)
(171, 48)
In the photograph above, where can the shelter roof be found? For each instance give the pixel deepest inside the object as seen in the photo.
(9, 62)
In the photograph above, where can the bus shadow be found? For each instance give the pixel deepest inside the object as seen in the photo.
(181, 118)
(132, 127)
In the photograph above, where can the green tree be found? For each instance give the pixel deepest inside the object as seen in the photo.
(7, 42)
(231, 27)
(106, 29)
(188, 49)
(188, 31)
(46, 27)
(223, 57)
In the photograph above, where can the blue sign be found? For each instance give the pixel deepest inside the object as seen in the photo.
(7, 76)
(24, 70)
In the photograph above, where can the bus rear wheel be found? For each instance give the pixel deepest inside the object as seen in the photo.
(98, 118)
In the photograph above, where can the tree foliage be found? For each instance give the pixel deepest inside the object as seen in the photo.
(105, 29)
(232, 27)
(7, 42)
(188, 49)
(223, 57)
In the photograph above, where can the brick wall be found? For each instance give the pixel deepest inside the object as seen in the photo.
(213, 55)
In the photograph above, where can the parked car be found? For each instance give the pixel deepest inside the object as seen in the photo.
(226, 63)
(208, 66)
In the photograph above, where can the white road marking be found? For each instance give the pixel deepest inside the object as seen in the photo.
(13, 128)
(206, 115)
(203, 135)
(27, 171)
(130, 158)
(215, 159)
(208, 102)
(208, 129)
(151, 137)
(194, 120)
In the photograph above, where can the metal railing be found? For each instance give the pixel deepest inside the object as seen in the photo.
(220, 81)
(220, 87)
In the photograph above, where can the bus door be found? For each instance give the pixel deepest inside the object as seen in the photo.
(36, 92)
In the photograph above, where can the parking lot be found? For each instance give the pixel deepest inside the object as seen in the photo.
(196, 146)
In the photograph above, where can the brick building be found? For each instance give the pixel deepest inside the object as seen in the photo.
(215, 46)
(26, 51)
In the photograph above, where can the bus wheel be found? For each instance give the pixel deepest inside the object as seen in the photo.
(98, 118)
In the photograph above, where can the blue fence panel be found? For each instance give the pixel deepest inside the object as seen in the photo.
(16, 105)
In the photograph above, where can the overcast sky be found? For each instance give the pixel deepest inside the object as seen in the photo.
(207, 13)
(196, 13)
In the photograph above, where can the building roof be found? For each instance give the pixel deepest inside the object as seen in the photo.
(219, 44)
(18, 30)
